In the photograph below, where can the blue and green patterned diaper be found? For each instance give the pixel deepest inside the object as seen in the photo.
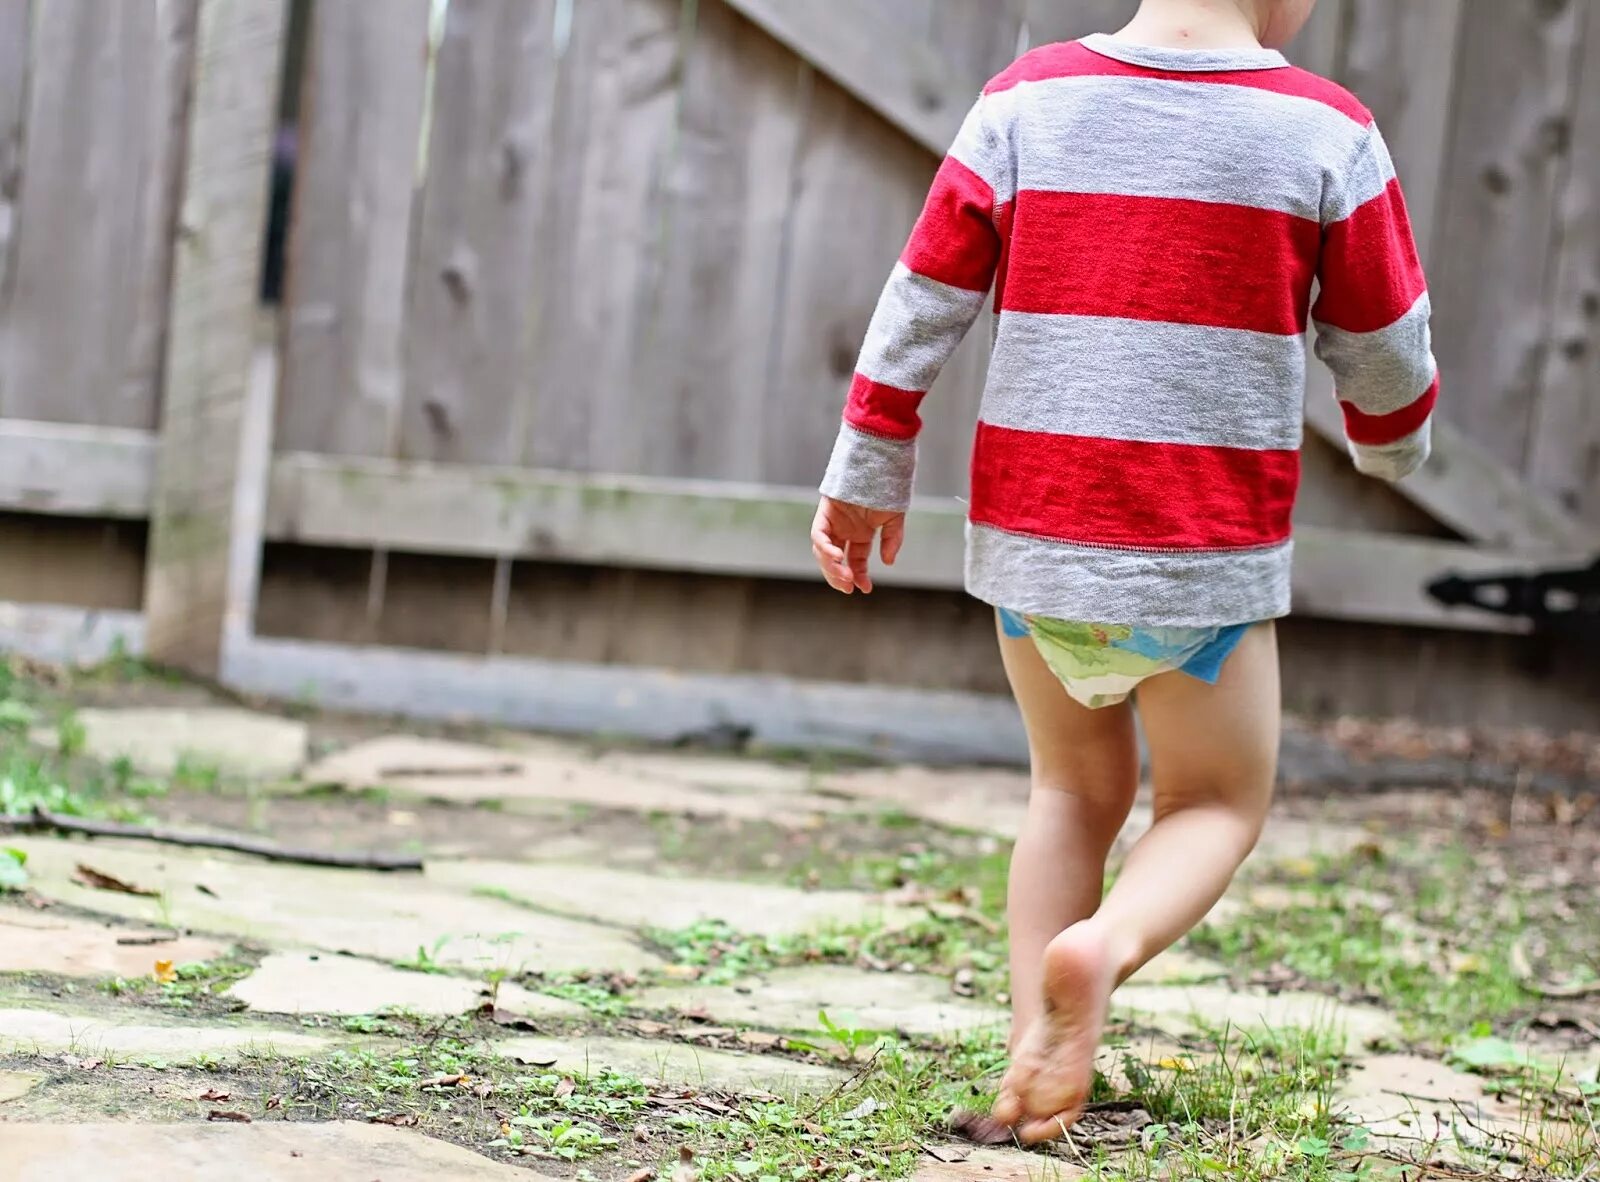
(1101, 664)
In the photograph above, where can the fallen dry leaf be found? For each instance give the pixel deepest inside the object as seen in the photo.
(948, 1153)
(237, 1118)
(443, 1081)
(864, 1109)
(484, 1090)
(400, 1120)
(979, 1128)
(165, 973)
(681, 972)
(651, 1029)
(565, 1088)
(212, 1095)
(274, 1102)
(99, 880)
(760, 1040)
(647, 1174)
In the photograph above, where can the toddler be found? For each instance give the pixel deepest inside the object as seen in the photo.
(1151, 209)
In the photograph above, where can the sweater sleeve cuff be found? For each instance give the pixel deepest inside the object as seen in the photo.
(871, 471)
(1397, 460)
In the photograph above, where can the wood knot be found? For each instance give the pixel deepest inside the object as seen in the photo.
(1497, 180)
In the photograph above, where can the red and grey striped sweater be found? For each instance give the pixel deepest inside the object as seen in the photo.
(1152, 222)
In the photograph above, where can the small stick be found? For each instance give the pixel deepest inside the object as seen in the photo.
(41, 820)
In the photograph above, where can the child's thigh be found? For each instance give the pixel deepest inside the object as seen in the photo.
(1216, 743)
(1071, 746)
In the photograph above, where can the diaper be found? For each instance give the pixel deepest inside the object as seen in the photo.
(1102, 664)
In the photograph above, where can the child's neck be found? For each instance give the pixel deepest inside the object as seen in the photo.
(1191, 24)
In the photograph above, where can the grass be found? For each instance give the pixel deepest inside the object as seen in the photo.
(195, 986)
(1414, 930)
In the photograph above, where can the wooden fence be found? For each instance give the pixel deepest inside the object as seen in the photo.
(574, 288)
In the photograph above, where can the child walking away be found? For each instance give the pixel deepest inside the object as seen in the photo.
(1152, 209)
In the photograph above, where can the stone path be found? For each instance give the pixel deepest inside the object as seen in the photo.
(563, 953)
(257, 1153)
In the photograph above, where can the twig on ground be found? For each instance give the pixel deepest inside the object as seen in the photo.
(42, 821)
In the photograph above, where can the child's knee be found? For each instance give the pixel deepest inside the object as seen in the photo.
(1237, 798)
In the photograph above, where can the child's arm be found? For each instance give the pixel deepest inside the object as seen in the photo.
(935, 293)
(1372, 317)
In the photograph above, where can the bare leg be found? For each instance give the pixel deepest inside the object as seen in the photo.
(1213, 759)
(1085, 773)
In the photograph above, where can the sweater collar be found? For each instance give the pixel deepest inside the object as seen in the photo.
(1155, 57)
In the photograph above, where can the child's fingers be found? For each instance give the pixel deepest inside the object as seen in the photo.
(836, 574)
(860, 552)
(831, 558)
(824, 544)
(894, 536)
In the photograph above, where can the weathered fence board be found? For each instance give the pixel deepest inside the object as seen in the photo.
(708, 306)
(910, 83)
(13, 103)
(469, 338)
(598, 229)
(189, 567)
(1401, 60)
(83, 314)
(1564, 452)
(361, 116)
(1507, 160)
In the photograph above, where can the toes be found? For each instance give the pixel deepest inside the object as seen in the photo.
(1007, 1107)
(1037, 1132)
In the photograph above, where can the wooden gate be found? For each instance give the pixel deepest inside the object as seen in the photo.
(575, 287)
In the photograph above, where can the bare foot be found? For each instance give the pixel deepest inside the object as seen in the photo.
(1044, 1092)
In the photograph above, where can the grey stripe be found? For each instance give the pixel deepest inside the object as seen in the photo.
(871, 471)
(1148, 137)
(1384, 371)
(917, 325)
(1397, 460)
(1146, 381)
(978, 145)
(1201, 590)
(1368, 176)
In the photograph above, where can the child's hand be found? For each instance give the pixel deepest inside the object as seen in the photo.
(841, 538)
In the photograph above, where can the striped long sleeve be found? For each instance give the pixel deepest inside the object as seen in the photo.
(1372, 318)
(934, 294)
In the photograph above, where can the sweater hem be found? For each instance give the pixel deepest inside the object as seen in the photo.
(1157, 589)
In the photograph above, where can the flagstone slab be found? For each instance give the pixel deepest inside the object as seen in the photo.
(995, 1165)
(389, 917)
(465, 773)
(719, 773)
(1414, 1096)
(16, 1084)
(35, 942)
(32, 1031)
(1179, 1009)
(157, 740)
(790, 999)
(675, 1063)
(344, 986)
(266, 1151)
(1178, 967)
(640, 900)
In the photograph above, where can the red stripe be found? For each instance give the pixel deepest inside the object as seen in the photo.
(955, 240)
(1145, 496)
(1161, 258)
(1377, 430)
(1072, 59)
(1005, 220)
(1371, 275)
(883, 410)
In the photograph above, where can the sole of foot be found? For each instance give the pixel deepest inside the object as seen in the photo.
(1044, 1091)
